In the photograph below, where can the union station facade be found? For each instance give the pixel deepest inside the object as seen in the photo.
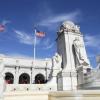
(68, 69)
(21, 70)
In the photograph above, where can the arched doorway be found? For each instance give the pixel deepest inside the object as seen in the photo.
(39, 79)
(24, 79)
(9, 78)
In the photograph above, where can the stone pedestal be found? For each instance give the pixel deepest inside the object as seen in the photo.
(67, 81)
(53, 81)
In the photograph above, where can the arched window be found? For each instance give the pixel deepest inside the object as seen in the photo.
(24, 79)
(40, 79)
(9, 78)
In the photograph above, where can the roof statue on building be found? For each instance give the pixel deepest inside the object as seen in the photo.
(69, 26)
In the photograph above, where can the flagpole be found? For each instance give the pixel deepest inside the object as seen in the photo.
(34, 47)
(34, 56)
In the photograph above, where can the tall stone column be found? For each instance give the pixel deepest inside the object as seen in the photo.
(32, 73)
(16, 78)
(16, 81)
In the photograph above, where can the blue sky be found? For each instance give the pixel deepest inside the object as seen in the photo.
(20, 16)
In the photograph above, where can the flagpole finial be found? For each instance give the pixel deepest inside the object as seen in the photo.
(35, 26)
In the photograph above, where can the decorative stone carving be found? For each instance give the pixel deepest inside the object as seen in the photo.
(2, 82)
(78, 52)
(69, 26)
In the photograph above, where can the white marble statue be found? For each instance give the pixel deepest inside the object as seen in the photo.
(57, 61)
(79, 54)
(2, 82)
(69, 26)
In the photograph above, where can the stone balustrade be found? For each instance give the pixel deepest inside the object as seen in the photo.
(29, 87)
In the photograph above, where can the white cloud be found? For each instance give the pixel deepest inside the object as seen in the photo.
(92, 41)
(93, 44)
(73, 16)
(24, 37)
(48, 44)
(47, 41)
(29, 40)
(16, 55)
(4, 22)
